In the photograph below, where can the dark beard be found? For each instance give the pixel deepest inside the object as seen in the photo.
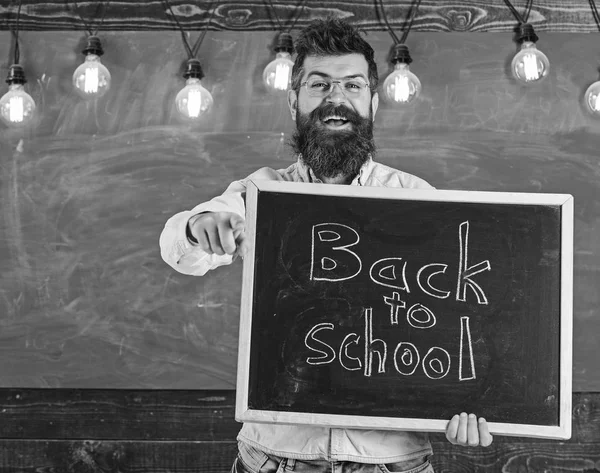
(332, 153)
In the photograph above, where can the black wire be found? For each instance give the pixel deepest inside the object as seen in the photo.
(101, 19)
(201, 37)
(595, 13)
(394, 37)
(530, 2)
(86, 24)
(414, 9)
(299, 8)
(17, 55)
(303, 3)
(515, 12)
(275, 15)
(185, 41)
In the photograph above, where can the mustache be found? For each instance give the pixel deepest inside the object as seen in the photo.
(329, 109)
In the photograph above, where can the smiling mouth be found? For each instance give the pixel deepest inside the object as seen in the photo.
(336, 122)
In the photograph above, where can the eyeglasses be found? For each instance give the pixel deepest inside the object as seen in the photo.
(323, 86)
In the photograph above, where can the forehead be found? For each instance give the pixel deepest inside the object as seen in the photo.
(336, 66)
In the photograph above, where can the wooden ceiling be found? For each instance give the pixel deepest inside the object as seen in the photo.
(574, 16)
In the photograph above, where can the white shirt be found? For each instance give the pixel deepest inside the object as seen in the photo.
(295, 441)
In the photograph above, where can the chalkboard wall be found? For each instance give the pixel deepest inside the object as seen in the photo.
(85, 299)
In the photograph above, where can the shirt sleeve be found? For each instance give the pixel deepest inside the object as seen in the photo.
(185, 257)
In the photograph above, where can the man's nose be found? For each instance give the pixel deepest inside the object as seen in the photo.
(337, 93)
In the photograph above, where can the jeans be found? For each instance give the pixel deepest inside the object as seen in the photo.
(252, 460)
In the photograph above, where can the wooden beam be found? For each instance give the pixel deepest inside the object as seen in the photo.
(256, 15)
(75, 431)
(178, 415)
(174, 415)
(89, 456)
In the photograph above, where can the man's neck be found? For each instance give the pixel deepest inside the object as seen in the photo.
(339, 179)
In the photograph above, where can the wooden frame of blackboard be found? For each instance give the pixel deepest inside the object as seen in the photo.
(244, 413)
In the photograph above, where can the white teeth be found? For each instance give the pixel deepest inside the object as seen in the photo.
(334, 117)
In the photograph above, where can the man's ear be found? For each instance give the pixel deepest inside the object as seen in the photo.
(375, 104)
(292, 101)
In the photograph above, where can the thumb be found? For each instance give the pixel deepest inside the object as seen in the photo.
(243, 244)
(237, 224)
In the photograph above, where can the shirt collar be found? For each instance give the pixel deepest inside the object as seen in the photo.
(360, 180)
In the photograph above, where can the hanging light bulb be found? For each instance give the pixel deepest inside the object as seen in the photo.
(193, 101)
(16, 106)
(530, 65)
(277, 76)
(591, 99)
(92, 79)
(401, 87)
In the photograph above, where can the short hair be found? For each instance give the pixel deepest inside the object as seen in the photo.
(331, 37)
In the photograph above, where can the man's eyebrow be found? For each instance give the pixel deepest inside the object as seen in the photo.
(349, 76)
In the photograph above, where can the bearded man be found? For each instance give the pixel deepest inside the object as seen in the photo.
(333, 102)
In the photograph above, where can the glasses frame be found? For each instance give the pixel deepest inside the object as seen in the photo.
(333, 83)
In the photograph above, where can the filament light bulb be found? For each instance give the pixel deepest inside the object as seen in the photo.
(592, 99)
(530, 65)
(193, 101)
(92, 79)
(17, 108)
(401, 87)
(277, 76)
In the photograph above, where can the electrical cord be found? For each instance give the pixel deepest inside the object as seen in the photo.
(191, 50)
(412, 13)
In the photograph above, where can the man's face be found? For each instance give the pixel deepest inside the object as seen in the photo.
(336, 67)
(335, 132)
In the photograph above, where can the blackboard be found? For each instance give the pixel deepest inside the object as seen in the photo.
(86, 302)
(398, 308)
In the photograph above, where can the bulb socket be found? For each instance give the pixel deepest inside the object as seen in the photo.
(284, 43)
(16, 75)
(400, 54)
(526, 33)
(193, 69)
(93, 46)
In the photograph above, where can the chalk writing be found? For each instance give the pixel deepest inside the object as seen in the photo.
(326, 356)
(337, 263)
(332, 260)
(409, 359)
(465, 332)
(395, 304)
(435, 364)
(330, 233)
(415, 321)
(465, 273)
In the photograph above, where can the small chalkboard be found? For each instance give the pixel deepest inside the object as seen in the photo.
(397, 308)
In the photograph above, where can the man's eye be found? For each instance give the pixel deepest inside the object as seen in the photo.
(353, 85)
(318, 85)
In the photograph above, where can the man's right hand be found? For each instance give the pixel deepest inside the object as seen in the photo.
(219, 233)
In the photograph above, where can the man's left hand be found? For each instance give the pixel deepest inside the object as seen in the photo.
(467, 431)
